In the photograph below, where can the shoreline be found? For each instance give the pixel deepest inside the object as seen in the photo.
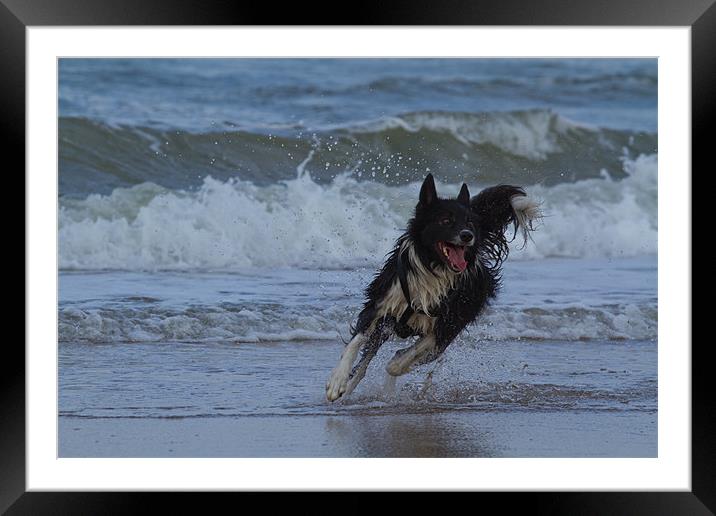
(572, 400)
(458, 433)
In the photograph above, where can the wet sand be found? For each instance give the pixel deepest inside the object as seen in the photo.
(432, 434)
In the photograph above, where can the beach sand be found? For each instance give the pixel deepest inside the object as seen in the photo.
(461, 433)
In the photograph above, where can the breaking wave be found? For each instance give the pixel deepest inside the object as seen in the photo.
(524, 147)
(237, 225)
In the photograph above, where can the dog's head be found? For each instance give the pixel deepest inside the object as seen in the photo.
(442, 229)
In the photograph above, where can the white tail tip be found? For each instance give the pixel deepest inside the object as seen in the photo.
(527, 211)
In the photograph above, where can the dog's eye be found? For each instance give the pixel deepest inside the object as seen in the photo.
(445, 221)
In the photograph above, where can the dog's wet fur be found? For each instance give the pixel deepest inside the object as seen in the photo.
(439, 277)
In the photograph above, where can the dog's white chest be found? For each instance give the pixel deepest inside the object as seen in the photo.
(427, 290)
(394, 305)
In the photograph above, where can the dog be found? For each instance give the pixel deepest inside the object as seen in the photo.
(441, 274)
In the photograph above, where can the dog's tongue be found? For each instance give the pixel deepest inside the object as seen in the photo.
(456, 255)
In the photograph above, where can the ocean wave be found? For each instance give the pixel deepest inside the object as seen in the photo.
(195, 324)
(632, 84)
(231, 225)
(599, 217)
(269, 323)
(530, 134)
(236, 225)
(529, 147)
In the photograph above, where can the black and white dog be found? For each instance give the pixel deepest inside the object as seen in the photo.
(442, 273)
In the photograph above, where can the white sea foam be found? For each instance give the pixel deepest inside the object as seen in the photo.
(212, 323)
(556, 299)
(230, 225)
(598, 217)
(236, 225)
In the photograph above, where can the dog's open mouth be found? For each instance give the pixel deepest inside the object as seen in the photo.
(453, 255)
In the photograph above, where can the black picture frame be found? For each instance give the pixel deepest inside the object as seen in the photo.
(700, 15)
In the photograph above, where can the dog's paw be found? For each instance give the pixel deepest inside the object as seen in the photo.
(337, 384)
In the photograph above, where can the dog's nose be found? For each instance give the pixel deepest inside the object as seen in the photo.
(466, 235)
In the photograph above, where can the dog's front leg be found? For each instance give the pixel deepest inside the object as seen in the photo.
(338, 381)
(382, 332)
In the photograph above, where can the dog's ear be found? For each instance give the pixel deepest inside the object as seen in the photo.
(428, 194)
(464, 195)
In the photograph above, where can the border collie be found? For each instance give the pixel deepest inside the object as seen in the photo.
(441, 274)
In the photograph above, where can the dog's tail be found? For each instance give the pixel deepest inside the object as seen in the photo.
(527, 213)
(493, 210)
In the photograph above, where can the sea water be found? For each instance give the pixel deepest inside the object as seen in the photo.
(219, 220)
